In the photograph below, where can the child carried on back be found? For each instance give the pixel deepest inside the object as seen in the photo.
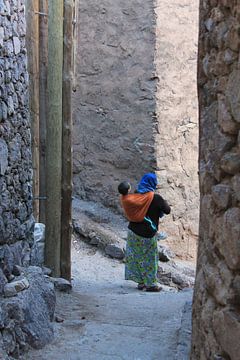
(136, 206)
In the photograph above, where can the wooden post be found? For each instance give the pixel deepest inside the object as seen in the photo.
(66, 230)
(32, 38)
(54, 136)
(43, 63)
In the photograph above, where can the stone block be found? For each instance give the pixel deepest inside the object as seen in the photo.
(225, 119)
(39, 232)
(226, 325)
(233, 94)
(3, 281)
(236, 186)
(17, 45)
(218, 282)
(114, 251)
(230, 163)
(28, 316)
(164, 253)
(61, 284)
(228, 237)
(3, 157)
(221, 195)
(11, 289)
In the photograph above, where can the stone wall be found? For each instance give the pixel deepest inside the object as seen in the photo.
(135, 106)
(16, 220)
(216, 316)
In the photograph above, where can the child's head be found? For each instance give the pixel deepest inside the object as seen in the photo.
(124, 188)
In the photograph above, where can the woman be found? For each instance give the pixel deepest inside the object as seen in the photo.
(143, 210)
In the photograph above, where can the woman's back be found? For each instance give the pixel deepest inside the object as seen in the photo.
(149, 226)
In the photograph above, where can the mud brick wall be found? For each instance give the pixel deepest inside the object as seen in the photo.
(135, 106)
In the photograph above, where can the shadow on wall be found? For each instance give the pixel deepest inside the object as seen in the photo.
(114, 105)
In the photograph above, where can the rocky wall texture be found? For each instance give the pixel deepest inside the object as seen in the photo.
(216, 316)
(177, 113)
(27, 298)
(15, 156)
(16, 220)
(135, 107)
(26, 317)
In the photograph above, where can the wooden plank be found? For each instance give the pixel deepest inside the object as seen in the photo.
(43, 63)
(32, 42)
(54, 136)
(66, 229)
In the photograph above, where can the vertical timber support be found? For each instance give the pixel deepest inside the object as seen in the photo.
(54, 136)
(32, 38)
(66, 228)
(43, 63)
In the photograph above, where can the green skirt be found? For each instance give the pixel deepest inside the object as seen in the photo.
(141, 259)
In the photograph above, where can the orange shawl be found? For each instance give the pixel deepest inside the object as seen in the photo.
(136, 205)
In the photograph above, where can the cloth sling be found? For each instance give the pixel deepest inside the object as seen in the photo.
(136, 205)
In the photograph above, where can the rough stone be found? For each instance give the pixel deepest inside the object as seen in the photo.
(225, 119)
(3, 157)
(226, 323)
(175, 275)
(3, 281)
(230, 163)
(17, 45)
(236, 186)
(114, 251)
(165, 254)
(221, 195)
(15, 287)
(28, 315)
(17, 270)
(61, 284)
(228, 227)
(37, 251)
(233, 94)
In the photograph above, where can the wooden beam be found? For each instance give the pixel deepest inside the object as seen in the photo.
(43, 63)
(54, 136)
(66, 229)
(32, 41)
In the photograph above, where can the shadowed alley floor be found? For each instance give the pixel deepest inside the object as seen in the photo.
(106, 318)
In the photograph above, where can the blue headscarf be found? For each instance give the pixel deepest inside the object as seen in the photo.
(147, 183)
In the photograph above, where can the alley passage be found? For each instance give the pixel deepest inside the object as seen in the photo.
(106, 318)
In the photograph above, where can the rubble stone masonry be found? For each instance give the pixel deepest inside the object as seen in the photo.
(216, 311)
(16, 220)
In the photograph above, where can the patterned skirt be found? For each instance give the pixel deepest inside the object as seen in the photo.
(141, 259)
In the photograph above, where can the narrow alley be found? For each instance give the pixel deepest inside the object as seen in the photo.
(106, 317)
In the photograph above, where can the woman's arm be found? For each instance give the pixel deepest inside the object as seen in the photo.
(163, 205)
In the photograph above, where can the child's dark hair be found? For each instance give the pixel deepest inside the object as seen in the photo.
(124, 187)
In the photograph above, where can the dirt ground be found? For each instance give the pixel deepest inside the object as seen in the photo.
(106, 317)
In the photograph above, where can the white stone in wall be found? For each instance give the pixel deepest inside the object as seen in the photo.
(37, 252)
(17, 45)
(3, 157)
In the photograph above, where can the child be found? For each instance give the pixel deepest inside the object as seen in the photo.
(124, 188)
